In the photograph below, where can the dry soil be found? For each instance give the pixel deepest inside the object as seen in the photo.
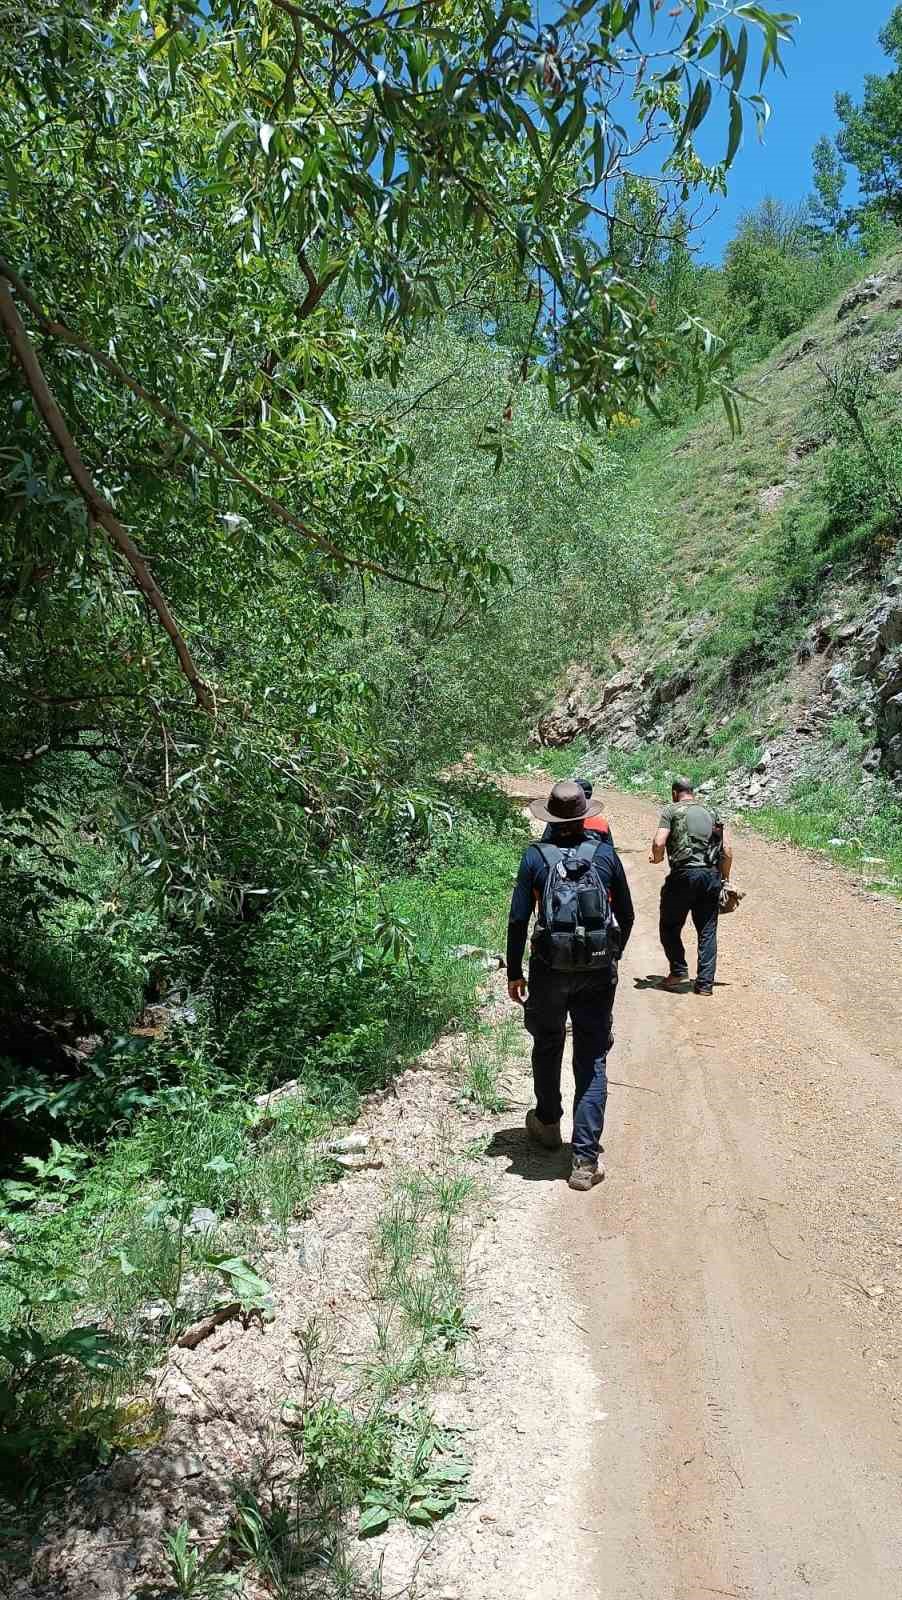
(729, 1420)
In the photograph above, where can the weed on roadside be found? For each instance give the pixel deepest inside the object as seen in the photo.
(192, 1575)
(376, 1455)
(859, 825)
(489, 1053)
(418, 1278)
(425, 1479)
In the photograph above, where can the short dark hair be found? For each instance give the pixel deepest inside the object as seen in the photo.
(683, 786)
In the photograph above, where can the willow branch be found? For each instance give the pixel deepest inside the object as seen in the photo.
(316, 287)
(66, 335)
(98, 506)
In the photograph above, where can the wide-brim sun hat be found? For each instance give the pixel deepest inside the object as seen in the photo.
(566, 803)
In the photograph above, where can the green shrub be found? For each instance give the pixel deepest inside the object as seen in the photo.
(343, 1454)
(782, 274)
(859, 824)
(81, 956)
(328, 996)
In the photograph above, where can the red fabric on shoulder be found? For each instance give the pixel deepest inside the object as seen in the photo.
(596, 825)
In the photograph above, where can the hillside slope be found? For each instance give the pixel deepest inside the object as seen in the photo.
(772, 637)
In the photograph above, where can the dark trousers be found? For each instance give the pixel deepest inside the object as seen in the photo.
(589, 999)
(695, 892)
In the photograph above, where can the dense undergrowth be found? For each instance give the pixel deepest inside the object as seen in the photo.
(154, 1164)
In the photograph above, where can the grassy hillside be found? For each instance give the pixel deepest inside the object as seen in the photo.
(772, 547)
(757, 536)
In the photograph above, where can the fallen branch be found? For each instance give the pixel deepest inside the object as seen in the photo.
(194, 1336)
(99, 508)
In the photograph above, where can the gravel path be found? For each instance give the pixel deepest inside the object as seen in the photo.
(718, 1385)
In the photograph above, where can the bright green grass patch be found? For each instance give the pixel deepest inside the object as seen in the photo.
(515, 760)
(652, 767)
(864, 819)
(867, 821)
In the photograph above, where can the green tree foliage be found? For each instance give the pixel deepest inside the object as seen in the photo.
(655, 251)
(556, 518)
(774, 269)
(870, 135)
(825, 205)
(198, 205)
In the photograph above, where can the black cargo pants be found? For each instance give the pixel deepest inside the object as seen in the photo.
(695, 892)
(588, 998)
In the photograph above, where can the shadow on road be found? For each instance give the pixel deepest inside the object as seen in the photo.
(655, 980)
(526, 1160)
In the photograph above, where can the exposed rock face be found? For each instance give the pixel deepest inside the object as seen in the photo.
(889, 356)
(861, 678)
(881, 630)
(584, 710)
(856, 328)
(862, 294)
(878, 662)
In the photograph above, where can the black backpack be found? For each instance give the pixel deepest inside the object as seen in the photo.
(576, 930)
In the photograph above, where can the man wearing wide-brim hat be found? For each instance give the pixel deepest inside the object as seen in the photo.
(587, 871)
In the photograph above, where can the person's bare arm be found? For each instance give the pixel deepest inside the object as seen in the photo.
(726, 859)
(659, 846)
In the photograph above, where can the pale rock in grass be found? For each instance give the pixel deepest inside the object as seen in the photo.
(862, 294)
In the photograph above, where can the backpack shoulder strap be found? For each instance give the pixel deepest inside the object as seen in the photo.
(550, 853)
(589, 849)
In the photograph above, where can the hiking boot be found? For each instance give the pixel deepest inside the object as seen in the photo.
(584, 1174)
(547, 1134)
(674, 980)
(704, 988)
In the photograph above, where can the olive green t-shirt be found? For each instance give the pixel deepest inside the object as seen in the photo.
(691, 826)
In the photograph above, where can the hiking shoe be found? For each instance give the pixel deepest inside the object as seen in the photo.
(704, 988)
(674, 980)
(584, 1174)
(547, 1134)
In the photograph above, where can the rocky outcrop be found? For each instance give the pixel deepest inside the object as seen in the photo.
(877, 668)
(862, 294)
(888, 357)
(584, 710)
(855, 670)
(863, 681)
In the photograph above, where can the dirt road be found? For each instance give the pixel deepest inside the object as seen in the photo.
(683, 1384)
(720, 1411)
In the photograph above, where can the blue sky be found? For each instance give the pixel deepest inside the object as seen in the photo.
(836, 45)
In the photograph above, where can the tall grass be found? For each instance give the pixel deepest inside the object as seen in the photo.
(859, 825)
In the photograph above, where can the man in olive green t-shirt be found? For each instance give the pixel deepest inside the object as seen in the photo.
(700, 859)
